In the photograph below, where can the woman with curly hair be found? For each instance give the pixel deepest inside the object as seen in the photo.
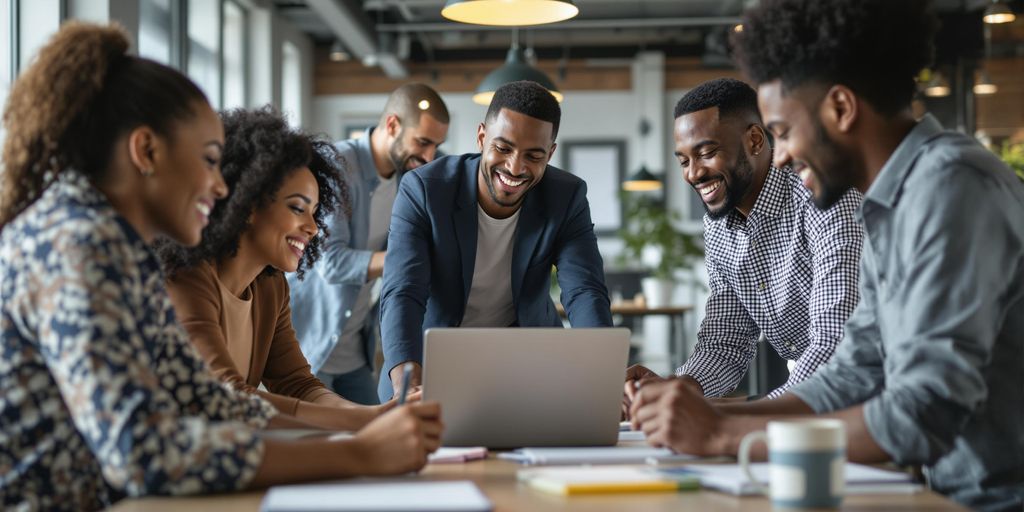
(230, 292)
(103, 396)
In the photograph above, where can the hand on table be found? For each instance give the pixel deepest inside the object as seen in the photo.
(675, 414)
(400, 439)
(635, 374)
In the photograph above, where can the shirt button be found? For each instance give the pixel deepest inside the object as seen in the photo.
(761, 286)
(348, 313)
(753, 244)
(791, 346)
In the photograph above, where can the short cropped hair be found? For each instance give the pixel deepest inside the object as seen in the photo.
(733, 98)
(528, 98)
(412, 100)
(874, 47)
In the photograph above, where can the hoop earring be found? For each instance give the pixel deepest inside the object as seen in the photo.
(147, 172)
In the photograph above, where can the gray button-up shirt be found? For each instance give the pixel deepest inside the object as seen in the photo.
(935, 349)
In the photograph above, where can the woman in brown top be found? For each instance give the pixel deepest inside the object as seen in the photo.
(229, 292)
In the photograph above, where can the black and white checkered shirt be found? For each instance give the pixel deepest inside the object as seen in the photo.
(788, 270)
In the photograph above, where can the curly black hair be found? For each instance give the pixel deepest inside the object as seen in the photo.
(528, 98)
(874, 47)
(260, 151)
(731, 96)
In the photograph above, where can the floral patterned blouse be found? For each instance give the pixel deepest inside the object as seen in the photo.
(102, 395)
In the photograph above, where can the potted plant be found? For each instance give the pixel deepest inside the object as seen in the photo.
(1013, 155)
(648, 224)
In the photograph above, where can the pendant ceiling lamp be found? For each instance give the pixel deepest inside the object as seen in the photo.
(642, 181)
(509, 13)
(998, 12)
(515, 68)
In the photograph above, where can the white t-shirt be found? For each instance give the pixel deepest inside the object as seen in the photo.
(348, 355)
(490, 296)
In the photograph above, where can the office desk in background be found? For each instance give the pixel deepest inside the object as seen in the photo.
(677, 324)
(497, 480)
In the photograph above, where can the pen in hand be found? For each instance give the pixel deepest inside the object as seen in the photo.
(406, 374)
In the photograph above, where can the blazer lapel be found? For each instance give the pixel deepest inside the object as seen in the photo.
(528, 230)
(464, 218)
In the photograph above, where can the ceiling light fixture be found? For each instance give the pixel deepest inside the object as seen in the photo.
(514, 69)
(998, 12)
(984, 85)
(509, 13)
(642, 181)
(937, 87)
(338, 53)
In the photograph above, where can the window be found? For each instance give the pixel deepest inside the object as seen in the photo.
(291, 83)
(234, 55)
(155, 30)
(204, 48)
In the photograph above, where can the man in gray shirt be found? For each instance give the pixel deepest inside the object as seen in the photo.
(931, 370)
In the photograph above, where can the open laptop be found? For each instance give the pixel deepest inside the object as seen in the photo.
(514, 387)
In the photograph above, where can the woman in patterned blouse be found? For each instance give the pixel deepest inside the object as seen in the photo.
(101, 394)
(230, 292)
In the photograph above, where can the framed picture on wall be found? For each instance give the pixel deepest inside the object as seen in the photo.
(602, 164)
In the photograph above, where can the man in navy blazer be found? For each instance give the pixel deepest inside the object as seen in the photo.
(474, 237)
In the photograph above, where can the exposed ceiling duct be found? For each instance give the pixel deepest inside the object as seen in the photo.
(350, 25)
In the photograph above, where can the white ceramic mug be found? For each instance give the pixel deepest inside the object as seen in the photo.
(807, 462)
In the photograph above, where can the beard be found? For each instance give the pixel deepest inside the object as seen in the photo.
(840, 165)
(741, 178)
(400, 158)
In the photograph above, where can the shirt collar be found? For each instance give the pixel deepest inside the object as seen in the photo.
(885, 190)
(367, 169)
(771, 201)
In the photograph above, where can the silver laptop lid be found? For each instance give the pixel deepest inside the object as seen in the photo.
(514, 387)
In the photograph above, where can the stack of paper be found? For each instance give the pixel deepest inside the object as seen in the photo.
(586, 455)
(860, 479)
(460, 496)
(603, 479)
(445, 455)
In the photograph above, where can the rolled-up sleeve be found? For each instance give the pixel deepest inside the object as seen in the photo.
(944, 314)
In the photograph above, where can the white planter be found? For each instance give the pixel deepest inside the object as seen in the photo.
(658, 292)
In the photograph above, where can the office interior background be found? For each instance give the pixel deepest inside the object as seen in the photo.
(620, 64)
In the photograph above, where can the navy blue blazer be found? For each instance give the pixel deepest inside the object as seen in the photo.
(428, 269)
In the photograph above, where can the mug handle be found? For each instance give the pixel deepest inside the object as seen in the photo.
(744, 457)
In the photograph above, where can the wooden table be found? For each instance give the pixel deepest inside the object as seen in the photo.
(497, 479)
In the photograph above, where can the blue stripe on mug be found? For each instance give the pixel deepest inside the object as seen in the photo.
(817, 468)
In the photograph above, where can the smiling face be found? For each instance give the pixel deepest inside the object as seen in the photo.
(515, 150)
(414, 146)
(279, 232)
(713, 160)
(802, 141)
(186, 179)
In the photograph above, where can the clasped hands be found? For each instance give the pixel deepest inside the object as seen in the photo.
(671, 412)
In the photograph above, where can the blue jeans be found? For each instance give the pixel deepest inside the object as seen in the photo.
(358, 386)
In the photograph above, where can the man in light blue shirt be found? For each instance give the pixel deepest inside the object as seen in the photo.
(931, 369)
(333, 308)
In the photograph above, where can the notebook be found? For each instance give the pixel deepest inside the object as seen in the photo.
(586, 455)
(367, 496)
(446, 454)
(860, 479)
(604, 480)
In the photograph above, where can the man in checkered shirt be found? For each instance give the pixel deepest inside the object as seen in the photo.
(777, 265)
